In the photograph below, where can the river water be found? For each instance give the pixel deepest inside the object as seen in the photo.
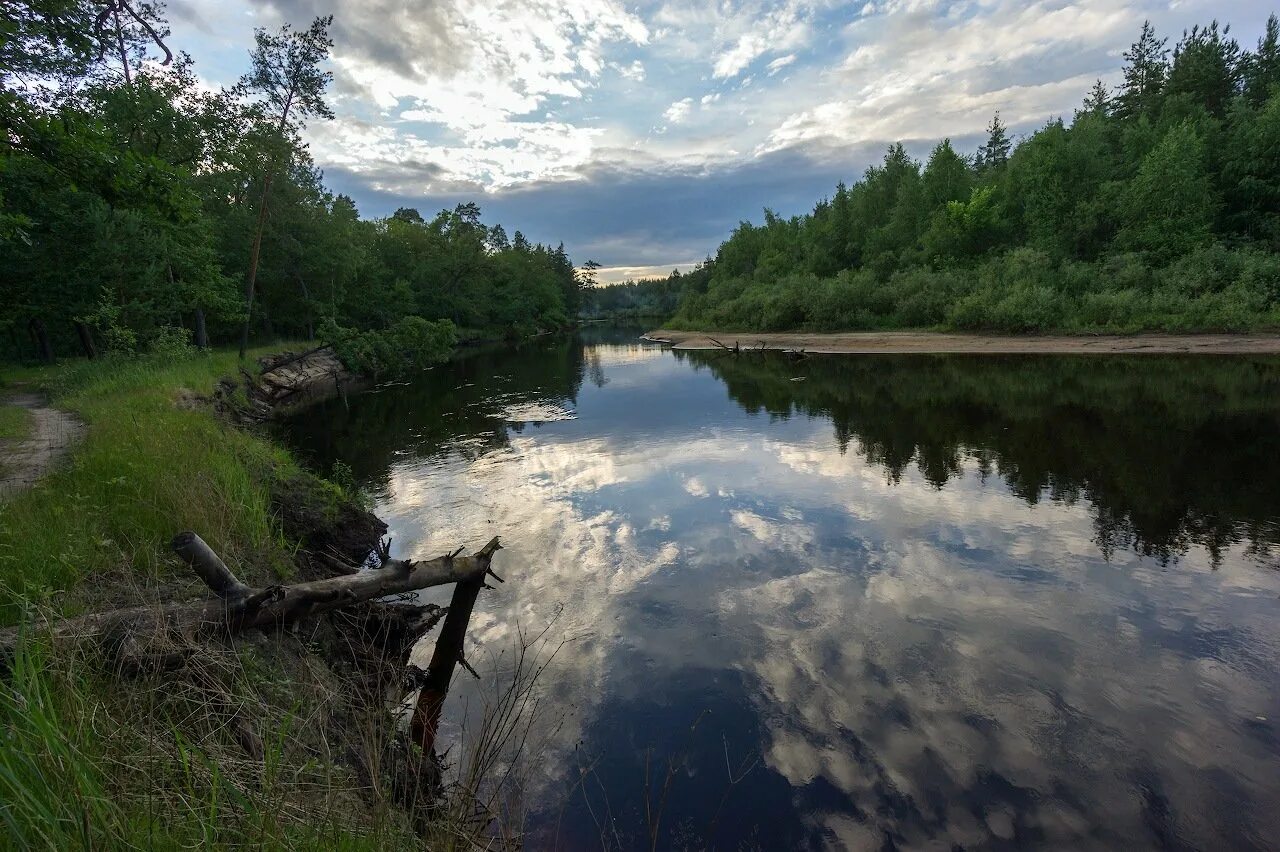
(858, 601)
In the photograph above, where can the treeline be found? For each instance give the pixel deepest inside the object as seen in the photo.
(1021, 417)
(1156, 207)
(648, 297)
(139, 209)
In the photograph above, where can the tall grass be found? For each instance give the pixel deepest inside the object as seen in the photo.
(261, 744)
(51, 789)
(148, 468)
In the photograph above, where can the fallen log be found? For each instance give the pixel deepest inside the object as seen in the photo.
(446, 657)
(148, 630)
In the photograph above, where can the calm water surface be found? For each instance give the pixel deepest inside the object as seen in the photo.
(862, 602)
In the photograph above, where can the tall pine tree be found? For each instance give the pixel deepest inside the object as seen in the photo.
(995, 153)
(1144, 75)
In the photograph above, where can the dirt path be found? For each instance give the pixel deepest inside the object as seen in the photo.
(53, 434)
(939, 343)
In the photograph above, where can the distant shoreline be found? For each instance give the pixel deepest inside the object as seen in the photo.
(946, 343)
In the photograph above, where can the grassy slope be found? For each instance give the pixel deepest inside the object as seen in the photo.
(147, 469)
(92, 761)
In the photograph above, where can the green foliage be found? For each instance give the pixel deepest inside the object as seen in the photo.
(1157, 207)
(159, 183)
(1169, 206)
(410, 345)
(146, 469)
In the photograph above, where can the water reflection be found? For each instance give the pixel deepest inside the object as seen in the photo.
(943, 601)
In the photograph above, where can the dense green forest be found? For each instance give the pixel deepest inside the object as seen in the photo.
(140, 209)
(1156, 207)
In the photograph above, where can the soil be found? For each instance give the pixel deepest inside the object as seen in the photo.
(923, 342)
(326, 528)
(53, 433)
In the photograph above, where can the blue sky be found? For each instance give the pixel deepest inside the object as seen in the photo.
(641, 133)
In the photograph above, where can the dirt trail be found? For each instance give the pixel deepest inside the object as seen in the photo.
(53, 433)
(940, 343)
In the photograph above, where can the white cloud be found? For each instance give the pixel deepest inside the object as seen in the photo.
(455, 97)
(634, 71)
(781, 62)
(678, 111)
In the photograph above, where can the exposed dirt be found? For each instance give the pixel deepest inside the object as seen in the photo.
(53, 433)
(326, 528)
(921, 342)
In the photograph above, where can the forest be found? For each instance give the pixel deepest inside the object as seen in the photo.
(649, 297)
(1155, 207)
(141, 209)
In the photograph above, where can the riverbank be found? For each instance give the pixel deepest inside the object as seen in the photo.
(276, 740)
(941, 343)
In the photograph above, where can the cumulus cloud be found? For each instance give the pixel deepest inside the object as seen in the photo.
(496, 98)
(678, 111)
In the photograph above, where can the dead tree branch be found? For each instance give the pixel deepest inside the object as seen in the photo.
(238, 607)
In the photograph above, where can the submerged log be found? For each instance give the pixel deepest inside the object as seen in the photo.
(155, 630)
(448, 655)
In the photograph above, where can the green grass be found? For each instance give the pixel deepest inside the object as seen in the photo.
(148, 468)
(90, 760)
(15, 422)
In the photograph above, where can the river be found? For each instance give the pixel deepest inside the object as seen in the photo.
(857, 602)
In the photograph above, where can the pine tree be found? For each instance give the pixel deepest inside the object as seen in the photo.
(1207, 68)
(286, 75)
(1262, 69)
(1144, 75)
(1098, 101)
(995, 153)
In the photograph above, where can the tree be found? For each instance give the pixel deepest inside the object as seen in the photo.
(1207, 68)
(1262, 69)
(1169, 206)
(1144, 74)
(1251, 173)
(946, 177)
(286, 76)
(44, 40)
(995, 152)
(1098, 101)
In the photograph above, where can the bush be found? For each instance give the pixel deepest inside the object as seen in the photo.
(410, 345)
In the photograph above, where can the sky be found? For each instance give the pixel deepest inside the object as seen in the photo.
(640, 134)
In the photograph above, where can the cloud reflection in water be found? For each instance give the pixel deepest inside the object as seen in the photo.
(915, 662)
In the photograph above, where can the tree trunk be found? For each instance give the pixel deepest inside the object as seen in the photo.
(163, 630)
(306, 294)
(44, 349)
(444, 659)
(202, 334)
(86, 340)
(254, 253)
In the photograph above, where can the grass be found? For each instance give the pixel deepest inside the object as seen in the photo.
(15, 422)
(90, 759)
(148, 468)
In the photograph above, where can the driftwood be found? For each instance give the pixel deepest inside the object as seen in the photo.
(448, 655)
(160, 635)
(290, 359)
